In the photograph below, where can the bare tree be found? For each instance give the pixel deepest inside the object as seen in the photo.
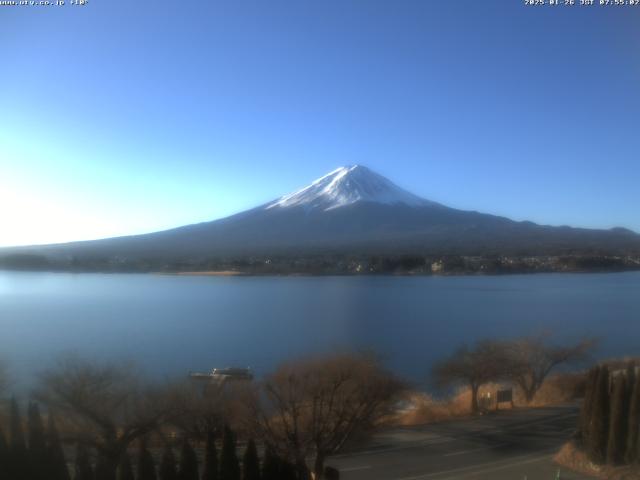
(200, 409)
(105, 407)
(313, 407)
(531, 359)
(474, 367)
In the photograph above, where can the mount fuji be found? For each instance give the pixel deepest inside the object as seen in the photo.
(351, 210)
(346, 186)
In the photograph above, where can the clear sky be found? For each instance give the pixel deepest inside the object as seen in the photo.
(122, 117)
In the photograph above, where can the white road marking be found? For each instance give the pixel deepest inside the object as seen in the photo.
(503, 467)
(480, 449)
(444, 439)
(354, 469)
(479, 468)
(408, 446)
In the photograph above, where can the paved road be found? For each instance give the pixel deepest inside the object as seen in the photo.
(512, 444)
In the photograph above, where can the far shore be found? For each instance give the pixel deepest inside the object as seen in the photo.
(248, 273)
(209, 273)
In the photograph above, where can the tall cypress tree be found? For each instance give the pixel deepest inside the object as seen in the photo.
(55, 453)
(617, 424)
(599, 424)
(631, 378)
(270, 465)
(125, 469)
(18, 465)
(104, 469)
(83, 469)
(250, 462)
(37, 444)
(168, 469)
(287, 470)
(146, 466)
(229, 464)
(331, 473)
(631, 454)
(188, 462)
(4, 457)
(587, 404)
(210, 469)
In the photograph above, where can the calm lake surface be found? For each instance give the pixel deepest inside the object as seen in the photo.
(171, 325)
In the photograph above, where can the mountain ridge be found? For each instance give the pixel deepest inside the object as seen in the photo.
(349, 211)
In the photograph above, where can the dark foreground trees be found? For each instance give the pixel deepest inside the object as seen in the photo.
(167, 469)
(229, 463)
(617, 435)
(146, 466)
(18, 463)
(106, 408)
(313, 407)
(83, 469)
(609, 426)
(188, 469)
(57, 464)
(250, 462)
(596, 435)
(210, 468)
(632, 450)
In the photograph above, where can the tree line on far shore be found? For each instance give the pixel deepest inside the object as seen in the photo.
(336, 263)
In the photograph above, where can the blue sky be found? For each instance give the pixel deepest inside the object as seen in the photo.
(127, 117)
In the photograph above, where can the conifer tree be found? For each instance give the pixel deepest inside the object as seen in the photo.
(250, 462)
(631, 454)
(331, 473)
(57, 464)
(4, 457)
(599, 424)
(631, 378)
(210, 469)
(38, 458)
(168, 469)
(104, 469)
(146, 466)
(287, 471)
(229, 464)
(188, 462)
(125, 469)
(18, 463)
(83, 469)
(617, 423)
(270, 465)
(587, 404)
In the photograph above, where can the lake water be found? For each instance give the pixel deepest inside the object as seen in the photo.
(171, 325)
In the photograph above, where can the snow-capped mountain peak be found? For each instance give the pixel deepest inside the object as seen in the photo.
(345, 186)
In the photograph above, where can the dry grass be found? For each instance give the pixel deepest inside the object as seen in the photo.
(558, 389)
(570, 456)
(424, 408)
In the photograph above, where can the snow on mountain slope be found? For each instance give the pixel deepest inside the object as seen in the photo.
(348, 185)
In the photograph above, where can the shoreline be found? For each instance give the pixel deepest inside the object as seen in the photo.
(237, 273)
(206, 273)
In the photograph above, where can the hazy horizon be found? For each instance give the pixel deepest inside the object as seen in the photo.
(523, 112)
